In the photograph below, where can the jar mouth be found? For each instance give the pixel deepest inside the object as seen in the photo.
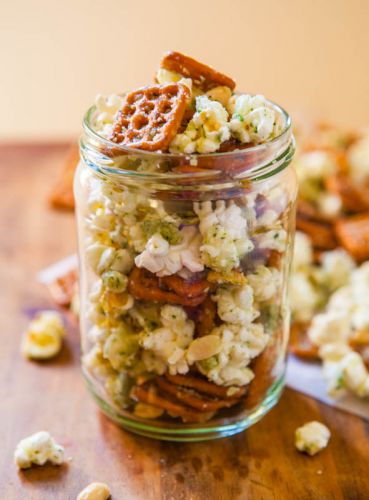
(264, 158)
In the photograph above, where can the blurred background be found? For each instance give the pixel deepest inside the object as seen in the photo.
(311, 57)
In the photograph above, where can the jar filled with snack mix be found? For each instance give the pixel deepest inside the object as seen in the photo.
(184, 264)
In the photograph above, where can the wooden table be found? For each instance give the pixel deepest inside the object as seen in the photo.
(260, 463)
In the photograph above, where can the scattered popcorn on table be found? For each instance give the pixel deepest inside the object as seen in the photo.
(38, 449)
(312, 437)
(44, 336)
(95, 491)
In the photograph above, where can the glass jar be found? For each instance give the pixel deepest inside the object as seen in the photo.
(184, 264)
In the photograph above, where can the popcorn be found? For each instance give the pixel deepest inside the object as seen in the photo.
(225, 235)
(336, 266)
(253, 119)
(239, 345)
(164, 260)
(106, 109)
(265, 282)
(206, 131)
(312, 168)
(38, 449)
(235, 304)
(44, 336)
(332, 326)
(121, 347)
(312, 437)
(303, 297)
(303, 251)
(275, 239)
(358, 159)
(168, 343)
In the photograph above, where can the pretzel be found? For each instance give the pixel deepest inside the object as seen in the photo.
(146, 286)
(307, 210)
(191, 398)
(300, 344)
(63, 288)
(354, 197)
(151, 116)
(203, 386)
(321, 234)
(203, 76)
(353, 234)
(206, 318)
(183, 287)
(61, 196)
(150, 396)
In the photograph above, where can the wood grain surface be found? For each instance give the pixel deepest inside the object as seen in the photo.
(258, 464)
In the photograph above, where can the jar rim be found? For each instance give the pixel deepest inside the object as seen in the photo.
(87, 127)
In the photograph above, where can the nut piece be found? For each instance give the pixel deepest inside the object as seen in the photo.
(95, 491)
(203, 76)
(312, 437)
(151, 116)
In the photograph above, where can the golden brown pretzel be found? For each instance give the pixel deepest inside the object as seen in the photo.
(151, 116)
(203, 386)
(145, 286)
(203, 76)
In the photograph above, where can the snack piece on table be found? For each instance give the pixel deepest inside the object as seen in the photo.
(204, 77)
(62, 194)
(63, 289)
(95, 491)
(312, 437)
(354, 197)
(353, 234)
(38, 449)
(44, 336)
(151, 116)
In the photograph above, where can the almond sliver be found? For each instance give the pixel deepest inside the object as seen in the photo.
(203, 348)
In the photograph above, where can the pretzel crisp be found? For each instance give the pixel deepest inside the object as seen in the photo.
(63, 288)
(150, 396)
(203, 386)
(193, 399)
(203, 76)
(321, 234)
(353, 234)
(300, 344)
(61, 196)
(354, 197)
(151, 116)
(146, 286)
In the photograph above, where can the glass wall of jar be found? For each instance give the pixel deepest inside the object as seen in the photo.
(184, 264)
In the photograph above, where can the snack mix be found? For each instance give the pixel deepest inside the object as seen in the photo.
(185, 303)
(43, 337)
(330, 280)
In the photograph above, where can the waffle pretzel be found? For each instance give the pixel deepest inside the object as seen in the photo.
(203, 76)
(151, 116)
(191, 398)
(146, 286)
(205, 387)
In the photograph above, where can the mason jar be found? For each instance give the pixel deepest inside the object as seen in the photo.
(184, 265)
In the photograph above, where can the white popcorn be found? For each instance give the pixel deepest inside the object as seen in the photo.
(329, 204)
(38, 449)
(225, 235)
(336, 267)
(303, 251)
(276, 239)
(358, 159)
(163, 259)
(312, 437)
(121, 347)
(253, 119)
(168, 343)
(265, 282)
(106, 109)
(332, 326)
(235, 304)
(239, 345)
(206, 131)
(44, 336)
(303, 297)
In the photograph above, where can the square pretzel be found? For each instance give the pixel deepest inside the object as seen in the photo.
(151, 116)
